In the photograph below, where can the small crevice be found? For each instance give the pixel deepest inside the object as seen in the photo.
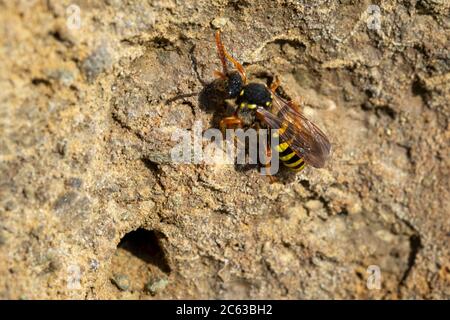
(60, 38)
(305, 184)
(150, 165)
(292, 42)
(415, 244)
(386, 110)
(41, 81)
(115, 117)
(154, 169)
(418, 89)
(194, 63)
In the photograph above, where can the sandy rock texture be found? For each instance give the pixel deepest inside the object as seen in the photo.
(91, 207)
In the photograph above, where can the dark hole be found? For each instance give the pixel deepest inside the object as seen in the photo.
(305, 184)
(418, 88)
(423, 9)
(145, 245)
(38, 81)
(150, 165)
(386, 110)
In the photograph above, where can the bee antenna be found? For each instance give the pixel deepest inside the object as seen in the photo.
(221, 52)
(224, 55)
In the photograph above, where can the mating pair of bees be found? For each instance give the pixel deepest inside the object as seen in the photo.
(258, 106)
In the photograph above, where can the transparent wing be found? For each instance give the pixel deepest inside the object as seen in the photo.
(303, 136)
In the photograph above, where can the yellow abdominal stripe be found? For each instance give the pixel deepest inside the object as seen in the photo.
(289, 156)
(282, 146)
(294, 164)
(300, 168)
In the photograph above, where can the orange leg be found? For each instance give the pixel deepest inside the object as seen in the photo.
(267, 159)
(293, 105)
(219, 74)
(230, 122)
(275, 84)
(238, 66)
(272, 179)
(223, 55)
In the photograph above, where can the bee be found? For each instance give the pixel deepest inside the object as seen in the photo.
(257, 105)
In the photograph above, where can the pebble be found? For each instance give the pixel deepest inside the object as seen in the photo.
(65, 201)
(314, 205)
(61, 147)
(96, 63)
(74, 183)
(156, 285)
(94, 264)
(121, 281)
(354, 208)
(10, 205)
(63, 76)
(219, 22)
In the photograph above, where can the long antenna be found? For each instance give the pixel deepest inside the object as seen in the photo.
(221, 52)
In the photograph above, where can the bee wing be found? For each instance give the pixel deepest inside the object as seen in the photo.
(303, 136)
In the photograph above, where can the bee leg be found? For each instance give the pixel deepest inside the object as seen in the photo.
(296, 107)
(268, 158)
(230, 122)
(272, 179)
(219, 74)
(275, 84)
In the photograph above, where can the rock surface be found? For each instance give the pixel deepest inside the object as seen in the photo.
(91, 206)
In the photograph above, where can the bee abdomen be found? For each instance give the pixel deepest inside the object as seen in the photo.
(289, 158)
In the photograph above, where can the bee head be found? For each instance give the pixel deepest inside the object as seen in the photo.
(234, 84)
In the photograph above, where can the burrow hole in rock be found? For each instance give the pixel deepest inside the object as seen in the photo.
(140, 262)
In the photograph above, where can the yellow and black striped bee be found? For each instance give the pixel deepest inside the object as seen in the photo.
(301, 141)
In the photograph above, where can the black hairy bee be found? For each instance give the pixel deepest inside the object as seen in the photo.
(257, 105)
